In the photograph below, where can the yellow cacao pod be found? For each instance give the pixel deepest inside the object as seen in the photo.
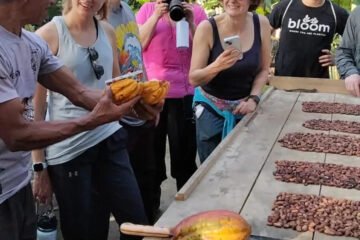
(215, 225)
(125, 89)
(155, 91)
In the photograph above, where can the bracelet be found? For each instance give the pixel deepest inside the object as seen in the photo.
(255, 98)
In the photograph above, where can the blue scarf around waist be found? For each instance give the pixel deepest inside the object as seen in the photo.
(230, 119)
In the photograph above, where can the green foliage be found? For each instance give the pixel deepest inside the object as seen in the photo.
(267, 5)
(55, 10)
(344, 3)
(210, 4)
(135, 4)
(29, 27)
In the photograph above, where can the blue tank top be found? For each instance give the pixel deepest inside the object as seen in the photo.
(235, 82)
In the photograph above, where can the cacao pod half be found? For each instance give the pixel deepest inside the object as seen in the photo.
(213, 225)
(125, 89)
(209, 225)
(154, 91)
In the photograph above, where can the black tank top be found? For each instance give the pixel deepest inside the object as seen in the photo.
(236, 81)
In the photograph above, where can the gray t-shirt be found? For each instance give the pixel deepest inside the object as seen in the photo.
(348, 54)
(22, 59)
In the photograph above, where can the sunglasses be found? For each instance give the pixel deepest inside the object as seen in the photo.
(98, 69)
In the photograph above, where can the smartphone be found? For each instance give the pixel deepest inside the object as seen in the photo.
(233, 41)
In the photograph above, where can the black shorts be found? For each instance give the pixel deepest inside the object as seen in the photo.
(17, 216)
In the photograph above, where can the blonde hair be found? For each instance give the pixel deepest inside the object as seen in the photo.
(101, 14)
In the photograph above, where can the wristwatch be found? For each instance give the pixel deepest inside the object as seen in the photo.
(38, 167)
(255, 98)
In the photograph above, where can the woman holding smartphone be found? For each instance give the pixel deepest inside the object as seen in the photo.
(228, 79)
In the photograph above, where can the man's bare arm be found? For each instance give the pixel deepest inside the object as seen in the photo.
(63, 81)
(21, 134)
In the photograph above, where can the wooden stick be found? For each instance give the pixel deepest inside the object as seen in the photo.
(145, 230)
(203, 169)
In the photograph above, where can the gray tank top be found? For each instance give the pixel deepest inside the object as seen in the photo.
(76, 57)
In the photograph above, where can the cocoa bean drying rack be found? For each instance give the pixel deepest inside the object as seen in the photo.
(238, 175)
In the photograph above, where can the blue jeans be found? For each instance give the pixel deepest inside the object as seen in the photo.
(92, 185)
(209, 126)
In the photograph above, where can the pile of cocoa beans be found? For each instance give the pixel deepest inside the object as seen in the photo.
(337, 217)
(326, 107)
(336, 125)
(328, 174)
(320, 142)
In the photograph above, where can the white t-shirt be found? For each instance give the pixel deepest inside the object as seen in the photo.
(22, 60)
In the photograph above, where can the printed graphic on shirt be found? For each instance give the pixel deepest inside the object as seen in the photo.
(15, 75)
(129, 47)
(308, 26)
(34, 55)
(2, 61)
(28, 113)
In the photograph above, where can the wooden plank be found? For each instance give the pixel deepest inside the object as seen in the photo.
(321, 85)
(341, 159)
(258, 206)
(195, 179)
(229, 181)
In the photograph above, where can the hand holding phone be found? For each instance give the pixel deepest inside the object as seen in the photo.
(233, 41)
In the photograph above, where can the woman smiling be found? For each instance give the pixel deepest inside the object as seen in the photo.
(229, 79)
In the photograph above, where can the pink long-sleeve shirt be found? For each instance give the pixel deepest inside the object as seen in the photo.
(163, 61)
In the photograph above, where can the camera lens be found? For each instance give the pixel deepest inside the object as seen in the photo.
(176, 10)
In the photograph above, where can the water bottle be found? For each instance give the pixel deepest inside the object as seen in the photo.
(182, 34)
(46, 225)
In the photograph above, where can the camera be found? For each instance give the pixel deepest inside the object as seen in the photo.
(176, 10)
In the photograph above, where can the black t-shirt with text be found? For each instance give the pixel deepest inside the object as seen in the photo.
(305, 31)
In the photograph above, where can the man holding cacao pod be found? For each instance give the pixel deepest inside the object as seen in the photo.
(25, 59)
(228, 78)
(90, 170)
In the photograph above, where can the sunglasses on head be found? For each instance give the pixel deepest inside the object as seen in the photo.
(98, 69)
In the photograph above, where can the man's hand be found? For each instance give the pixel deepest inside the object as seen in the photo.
(147, 112)
(107, 111)
(161, 8)
(245, 107)
(352, 84)
(326, 59)
(42, 189)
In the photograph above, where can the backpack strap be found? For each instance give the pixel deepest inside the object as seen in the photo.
(334, 14)
(286, 9)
